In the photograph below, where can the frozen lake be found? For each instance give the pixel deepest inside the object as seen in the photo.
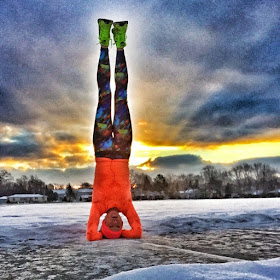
(47, 241)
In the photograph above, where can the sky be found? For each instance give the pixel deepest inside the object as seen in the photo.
(204, 83)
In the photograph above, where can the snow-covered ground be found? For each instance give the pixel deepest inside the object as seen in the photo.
(47, 241)
(261, 270)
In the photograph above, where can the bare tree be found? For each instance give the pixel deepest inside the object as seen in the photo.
(160, 183)
(5, 177)
(86, 185)
(214, 183)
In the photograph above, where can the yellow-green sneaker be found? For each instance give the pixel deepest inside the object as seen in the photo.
(104, 31)
(119, 31)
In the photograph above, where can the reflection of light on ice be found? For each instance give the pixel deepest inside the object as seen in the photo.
(173, 231)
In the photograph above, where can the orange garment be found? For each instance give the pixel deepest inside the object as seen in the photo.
(112, 188)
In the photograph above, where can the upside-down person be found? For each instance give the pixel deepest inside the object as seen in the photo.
(112, 145)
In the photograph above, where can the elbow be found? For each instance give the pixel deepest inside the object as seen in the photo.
(139, 232)
(94, 236)
(135, 233)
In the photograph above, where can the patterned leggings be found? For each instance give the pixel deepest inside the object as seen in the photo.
(112, 140)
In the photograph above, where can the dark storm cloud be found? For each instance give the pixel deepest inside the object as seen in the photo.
(177, 165)
(204, 50)
(12, 111)
(186, 164)
(182, 48)
(173, 162)
(64, 136)
(272, 161)
(42, 48)
(243, 34)
(231, 115)
(237, 46)
(21, 146)
(187, 161)
(230, 108)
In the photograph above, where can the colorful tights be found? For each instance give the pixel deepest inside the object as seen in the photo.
(112, 140)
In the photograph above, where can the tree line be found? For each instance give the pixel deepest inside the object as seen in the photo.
(24, 185)
(243, 180)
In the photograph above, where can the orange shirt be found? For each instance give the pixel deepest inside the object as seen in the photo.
(112, 188)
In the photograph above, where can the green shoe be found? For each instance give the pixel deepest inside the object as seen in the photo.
(104, 31)
(119, 31)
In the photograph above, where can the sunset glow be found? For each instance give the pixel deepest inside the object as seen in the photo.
(203, 86)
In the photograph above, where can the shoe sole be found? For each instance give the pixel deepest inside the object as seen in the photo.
(121, 23)
(105, 20)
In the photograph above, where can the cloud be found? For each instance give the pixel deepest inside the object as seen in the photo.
(204, 51)
(37, 150)
(74, 176)
(44, 62)
(20, 146)
(12, 110)
(173, 161)
(200, 72)
(272, 161)
(175, 164)
(64, 136)
(241, 32)
(234, 115)
(186, 164)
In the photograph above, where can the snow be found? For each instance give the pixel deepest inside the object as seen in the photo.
(61, 191)
(85, 190)
(26, 195)
(157, 217)
(39, 241)
(262, 270)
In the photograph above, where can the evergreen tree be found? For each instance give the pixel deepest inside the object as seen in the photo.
(160, 183)
(70, 195)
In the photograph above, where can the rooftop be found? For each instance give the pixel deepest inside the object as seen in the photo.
(27, 195)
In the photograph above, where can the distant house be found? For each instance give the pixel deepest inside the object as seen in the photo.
(191, 193)
(214, 194)
(61, 194)
(154, 195)
(137, 194)
(27, 198)
(257, 193)
(84, 194)
(274, 193)
(3, 199)
(182, 194)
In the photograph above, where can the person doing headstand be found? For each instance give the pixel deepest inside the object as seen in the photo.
(112, 145)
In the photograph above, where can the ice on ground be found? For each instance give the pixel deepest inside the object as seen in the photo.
(40, 241)
(59, 222)
(259, 270)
